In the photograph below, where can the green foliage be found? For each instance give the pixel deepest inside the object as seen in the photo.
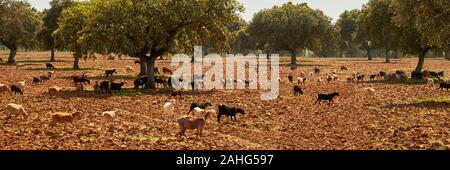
(290, 27)
(19, 23)
(347, 27)
(50, 20)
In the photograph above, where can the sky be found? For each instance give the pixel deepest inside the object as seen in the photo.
(332, 8)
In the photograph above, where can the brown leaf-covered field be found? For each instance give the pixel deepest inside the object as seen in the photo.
(398, 116)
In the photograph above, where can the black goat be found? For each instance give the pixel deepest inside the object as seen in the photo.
(416, 75)
(316, 70)
(16, 89)
(383, 74)
(110, 72)
(441, 74)
(140, 82)
(229, 111)
(291, 78)
(49, 66)
(199, 105)
(45, 78)
(360, 78)
(36, 80)
(443, 86)
(328, 97)
(117, 86)
(105, 86)
(372, 77)
(297, 90)
(77, 79)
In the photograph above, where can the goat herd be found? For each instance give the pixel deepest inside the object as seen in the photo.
(202, 111)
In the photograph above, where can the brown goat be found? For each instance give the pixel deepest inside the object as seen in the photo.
(192, 122)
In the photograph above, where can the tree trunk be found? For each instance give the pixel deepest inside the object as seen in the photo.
(340, 54)
(294, 58)
(369, 54)
(52, 55)
(151, 73)
(12, 55)
(396, 54)
(422, 54)
(387, 56)
(268, 54)
(447, 55)
(76, 62)
(143, 67)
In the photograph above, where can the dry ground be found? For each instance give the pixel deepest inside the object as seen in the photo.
(398, 116)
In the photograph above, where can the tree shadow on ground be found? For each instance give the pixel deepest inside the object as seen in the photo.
(42, 61)
(61, 69)
(131, 92)
(431, 104)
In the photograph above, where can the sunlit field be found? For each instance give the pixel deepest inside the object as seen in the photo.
(397, 115)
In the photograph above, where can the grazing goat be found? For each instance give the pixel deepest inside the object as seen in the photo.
(229, 111)
(441, 74)
(290, 78)
(140, 82)
(117, 87)
(105, 86)
(54, 90)
(45, 78)
(383, 74)
(109, 116)
(297, 90)
(319, 80)
(373, 77)
(188, 122)
(443, 86)
(360, 78)
(1, 60)
(199, 105)
(110, 72)
(49, 66)
(316, 70)
(343, 68)
(77, 79)
(434, 75)
(426, 73)
(15, 109)
(36, 80)
(401, 75)
(62, 117)
(328, 97)
(16, 89)
(311, 74)
(4, 88)
(350, 79)
(302, 74)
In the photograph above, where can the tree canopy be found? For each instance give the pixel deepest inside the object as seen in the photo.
(19, 23)
(290, 27)
(347, 28)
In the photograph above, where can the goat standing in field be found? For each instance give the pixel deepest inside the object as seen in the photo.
(328, 97)
(229, 111)
(192, 122)
(297, 90)
(168, 109)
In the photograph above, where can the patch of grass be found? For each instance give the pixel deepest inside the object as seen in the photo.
(436, 100)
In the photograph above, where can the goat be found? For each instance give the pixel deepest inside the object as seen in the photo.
(343, 68)
(168, 109)
(22, 83)
(316, 70)
(302, 74)
(328, 97)
(350, 79)
(45, 78)
(373, 77)
(49, 66)
(105, 86)
(360, 78)
(443, 86)
(141, 81)
(311, 74)
(77, 79)
(129, 69)
(109, 116)
(4, 88)
(117, 86)
(15, 109)
(416, 75)
(229, 111)
(297, 90)
(290, 78)
(110, 72)
(54, 90)
(383, 74)
(62, 117)
(199, 105)
(36, 80)
(426, 73)
(441, 74)
(319, 80)
(189, 122)
(79, 87)
(96, 87)
(16, 89)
